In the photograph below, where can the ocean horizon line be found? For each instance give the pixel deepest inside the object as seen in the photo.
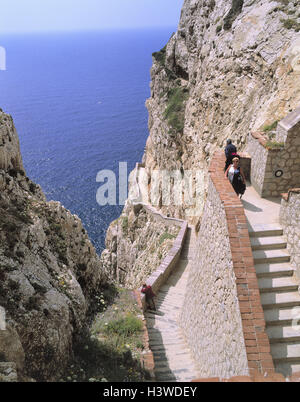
(82, 31)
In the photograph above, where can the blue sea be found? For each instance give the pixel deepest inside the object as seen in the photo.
(78, 103)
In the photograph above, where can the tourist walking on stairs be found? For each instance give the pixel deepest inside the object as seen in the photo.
(149, 294)
(230, 153)
(236, 177)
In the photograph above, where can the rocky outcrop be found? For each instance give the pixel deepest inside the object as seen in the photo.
(49, 270)
(10, 157)
(136, 244)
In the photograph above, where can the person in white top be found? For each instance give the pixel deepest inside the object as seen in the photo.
(236, 177)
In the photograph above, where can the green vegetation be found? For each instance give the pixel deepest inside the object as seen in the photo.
(236, 8)
(125, 326)
(175, 110)
(274, 144)
(270, 127)
(291, 23)
(111, 348)
(125, 225)
(165, 236)
(219, 28)
(160, 56)
(57, 240)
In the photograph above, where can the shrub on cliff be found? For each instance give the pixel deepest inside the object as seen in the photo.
(160, 56)
(175, 110)
(236, 8)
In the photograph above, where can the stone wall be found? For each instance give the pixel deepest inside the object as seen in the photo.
(10, 156)
(211, 318)
(259, 157)
(49, 272)
(276, 168)
(290, 221)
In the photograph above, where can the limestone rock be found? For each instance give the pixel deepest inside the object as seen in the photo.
(49, 270)
(11, 348)
(8, 372)
(136, 244)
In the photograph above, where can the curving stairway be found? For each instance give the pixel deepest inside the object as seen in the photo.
(279, 292)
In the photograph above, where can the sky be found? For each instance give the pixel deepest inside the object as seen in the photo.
(24, 16)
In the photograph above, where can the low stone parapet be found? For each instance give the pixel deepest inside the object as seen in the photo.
(160, 276)
(275, 164)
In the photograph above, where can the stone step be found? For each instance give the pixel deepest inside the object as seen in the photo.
(282, 317)
(170, 355)
(175, 299)
(268, 243)
(262, 230)
(275, 300)
(277, 285)
(180, 366)
(289, 352)
(270, 256)
(155, 343)
(284, 334)
(176, 366)
(274, 270)
(287, 369)
(168, 348)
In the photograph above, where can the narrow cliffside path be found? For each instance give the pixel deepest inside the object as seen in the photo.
(278, 289)
(172, 357)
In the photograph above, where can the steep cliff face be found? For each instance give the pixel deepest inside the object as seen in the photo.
(49, 270)
(233, 66)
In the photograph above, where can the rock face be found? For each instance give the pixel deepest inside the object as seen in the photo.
(232, 67)
(136, 244)
(49, 270)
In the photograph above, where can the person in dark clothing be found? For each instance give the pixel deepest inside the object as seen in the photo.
(236, 177)
(147, 290)
(230, 152)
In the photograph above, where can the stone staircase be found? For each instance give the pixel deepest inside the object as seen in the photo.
(172, 357)
(280, 296)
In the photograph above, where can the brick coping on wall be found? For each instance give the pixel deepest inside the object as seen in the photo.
(286, 196)
(253, 321)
